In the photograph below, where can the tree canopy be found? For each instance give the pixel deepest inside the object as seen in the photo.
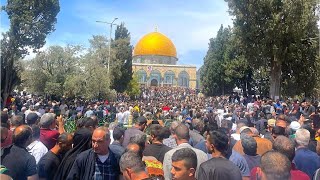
(277, 35)
(30, 23)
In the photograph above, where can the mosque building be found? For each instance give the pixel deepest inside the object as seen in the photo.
(155, 63)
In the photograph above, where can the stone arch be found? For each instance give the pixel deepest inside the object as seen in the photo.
(183, 79)
(155, 74)
(168, 77)
(142, 76)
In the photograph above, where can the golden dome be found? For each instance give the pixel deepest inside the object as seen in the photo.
(155, 43)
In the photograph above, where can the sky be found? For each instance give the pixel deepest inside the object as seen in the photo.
(188, 23)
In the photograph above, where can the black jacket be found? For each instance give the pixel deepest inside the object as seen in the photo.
(84, 166)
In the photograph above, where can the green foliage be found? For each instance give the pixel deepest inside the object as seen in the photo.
(272, 35)
(47, 72)
(91, 79)
(122, 62)
(133, 87)
(224, 66)
(30, 22)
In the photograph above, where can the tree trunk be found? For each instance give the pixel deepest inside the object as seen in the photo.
(275, 78)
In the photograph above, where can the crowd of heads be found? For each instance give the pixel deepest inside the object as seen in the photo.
(269, 135)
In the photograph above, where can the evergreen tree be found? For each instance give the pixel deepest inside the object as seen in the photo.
(272, 35)
(213, 75)
(122, 59)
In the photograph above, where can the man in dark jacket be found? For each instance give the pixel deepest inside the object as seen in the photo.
(99, 162)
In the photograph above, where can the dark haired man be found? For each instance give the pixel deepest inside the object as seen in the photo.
(16, 158)
(36, 148)
(249, 145)
(157, 149)
(138, 128)
(132, 167)
(184, 164)
(218, 167)
(275, 166)
(117, 141)
(50, 162)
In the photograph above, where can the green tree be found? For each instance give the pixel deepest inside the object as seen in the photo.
(92, 79)
(133, 89)
(213, 77)
(47, 72)
(30, 22)
(271, 32)
(123, 59)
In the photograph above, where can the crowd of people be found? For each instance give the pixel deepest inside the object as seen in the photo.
(165, 133)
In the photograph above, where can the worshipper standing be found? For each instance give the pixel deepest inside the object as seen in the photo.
(171, 142)
(36, 148)
(275, 166)
(153, 166)
(182, 138)
(286, 146)
(81, 143)
(120, 116)
(49, 163)
(195, 136)
(116, 146)
(48, 134)
(99, 162)
(132, 167)
(137, 128)
(263, 145)
(218, 167)
(184, 164)
(305, 159)
(16, 121)
(249, 145)
(6, 135)
(157, 149)
(16, 159)
(32, 118)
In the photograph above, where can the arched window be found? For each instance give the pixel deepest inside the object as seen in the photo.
(183, 79)
(168, 77)
(155, 78)
(142, 76)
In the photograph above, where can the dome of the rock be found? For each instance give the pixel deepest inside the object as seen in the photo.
(155, 44)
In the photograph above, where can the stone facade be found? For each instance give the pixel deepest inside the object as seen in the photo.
(165, 75)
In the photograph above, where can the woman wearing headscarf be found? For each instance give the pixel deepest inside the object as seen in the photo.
(81, 142)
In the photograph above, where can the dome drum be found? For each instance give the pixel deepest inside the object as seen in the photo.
(155, 59)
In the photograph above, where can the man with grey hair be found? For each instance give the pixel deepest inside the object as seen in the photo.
(16, 121)
(305, 159)
(132, 166)
(99, 162)
(171, 142)
(249, 145)
(48, 133)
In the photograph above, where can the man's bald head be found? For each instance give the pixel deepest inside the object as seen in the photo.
(133, 147)
(22, 135)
